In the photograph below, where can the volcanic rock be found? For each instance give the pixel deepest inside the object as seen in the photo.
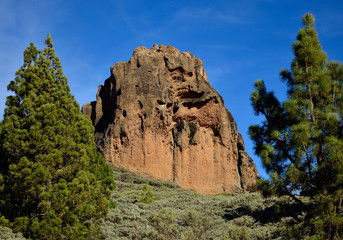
(159, 116)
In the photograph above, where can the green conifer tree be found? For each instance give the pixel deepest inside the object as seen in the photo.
(147, 194)
(300, 141)
(53, 182)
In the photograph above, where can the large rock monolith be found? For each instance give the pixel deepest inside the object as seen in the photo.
(159, 116)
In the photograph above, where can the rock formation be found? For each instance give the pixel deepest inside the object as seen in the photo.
(158, 115)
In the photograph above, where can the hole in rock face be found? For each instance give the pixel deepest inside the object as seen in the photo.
(194, 105)
(190, 74)
(159, 102)
(124, 113)
(216, 131)
(189, 94)
(199, 104)
(138, 65)
(169, 105)
(137, 86)
(175, 109)
(176, 77)
(178, 69)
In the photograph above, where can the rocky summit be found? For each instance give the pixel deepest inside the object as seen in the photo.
(159, 116)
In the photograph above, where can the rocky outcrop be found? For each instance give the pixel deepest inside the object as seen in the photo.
(158, 115)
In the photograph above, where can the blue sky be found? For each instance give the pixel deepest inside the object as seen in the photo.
(238, 41)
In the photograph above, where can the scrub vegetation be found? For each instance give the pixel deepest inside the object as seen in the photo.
(178, 213)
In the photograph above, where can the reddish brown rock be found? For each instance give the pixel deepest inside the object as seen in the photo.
(158, 116)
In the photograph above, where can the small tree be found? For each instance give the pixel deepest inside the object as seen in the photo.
(53, 182)
(147, 195)
(301, 141)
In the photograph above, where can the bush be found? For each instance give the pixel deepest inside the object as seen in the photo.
(147, 195)
(7, 234)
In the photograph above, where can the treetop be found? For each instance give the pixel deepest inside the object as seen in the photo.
(308, 20)
(48, 41)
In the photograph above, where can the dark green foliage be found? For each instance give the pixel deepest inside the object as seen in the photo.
(177, 213)
(301, 140)
(147, 195)
(53, 182)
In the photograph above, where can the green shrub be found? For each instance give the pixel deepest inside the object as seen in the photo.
(164, 225)
(197, 226)
(147, 195)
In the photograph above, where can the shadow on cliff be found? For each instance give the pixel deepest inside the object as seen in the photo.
(108, 96)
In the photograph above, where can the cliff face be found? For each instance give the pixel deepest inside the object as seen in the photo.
(158, 116)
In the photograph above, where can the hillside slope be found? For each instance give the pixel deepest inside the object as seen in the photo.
(177, 213)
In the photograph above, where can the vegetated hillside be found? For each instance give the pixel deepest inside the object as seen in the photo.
(177, 213)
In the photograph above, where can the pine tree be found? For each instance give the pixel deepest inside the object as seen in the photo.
(53, 182)
(301, 140)
(147, 195)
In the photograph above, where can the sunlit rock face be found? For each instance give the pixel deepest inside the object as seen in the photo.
(159, 116)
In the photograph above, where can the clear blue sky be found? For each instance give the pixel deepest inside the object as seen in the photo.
(238, 41)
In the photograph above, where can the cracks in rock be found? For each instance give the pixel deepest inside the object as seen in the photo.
(174, 156)
(177, 131)
(93, 113)
(142, 122)
(142, 134)
(118, 93)
(123, 137)
(239, 164)
(140, 104)
(193, 128)
(165, 61)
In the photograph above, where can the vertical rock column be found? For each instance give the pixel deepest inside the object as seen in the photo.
(158, 115)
